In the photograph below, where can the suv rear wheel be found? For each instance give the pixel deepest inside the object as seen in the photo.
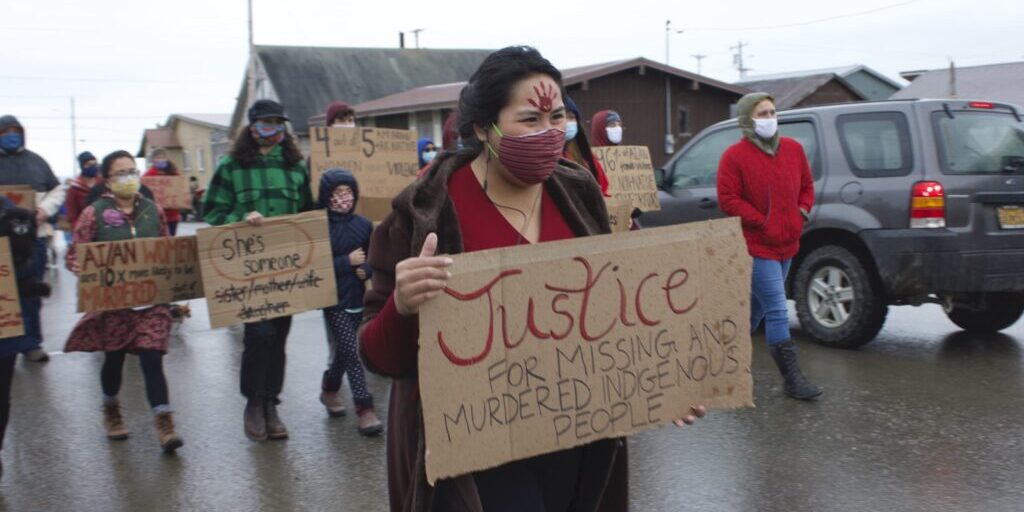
(837, 301)
(998, 311)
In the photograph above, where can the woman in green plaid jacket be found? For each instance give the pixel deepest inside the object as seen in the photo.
(264, 176)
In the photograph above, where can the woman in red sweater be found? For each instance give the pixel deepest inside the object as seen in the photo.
(160, 165)
(506, 186)
(764, 179)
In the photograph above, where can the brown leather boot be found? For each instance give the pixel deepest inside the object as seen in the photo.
(255, 420)
(275, 428)
(169, 439)
(333, 403)
(113, 421)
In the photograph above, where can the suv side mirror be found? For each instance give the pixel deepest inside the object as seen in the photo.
(659, 178)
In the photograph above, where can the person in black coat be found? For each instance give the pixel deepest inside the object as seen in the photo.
(350, 240)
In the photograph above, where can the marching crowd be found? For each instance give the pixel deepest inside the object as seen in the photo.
(515, 167)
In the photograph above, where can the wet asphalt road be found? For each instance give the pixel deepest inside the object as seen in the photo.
(925, 418)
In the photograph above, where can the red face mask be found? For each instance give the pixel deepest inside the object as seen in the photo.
(531, 158)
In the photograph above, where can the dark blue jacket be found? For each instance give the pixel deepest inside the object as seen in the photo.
(348, 233)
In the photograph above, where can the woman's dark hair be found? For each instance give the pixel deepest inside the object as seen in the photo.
(109, 161)
(487, 92)
(245, 149)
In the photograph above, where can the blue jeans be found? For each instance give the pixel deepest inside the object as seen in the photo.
(768, 299)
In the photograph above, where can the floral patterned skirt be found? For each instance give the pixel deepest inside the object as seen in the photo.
(122, 329)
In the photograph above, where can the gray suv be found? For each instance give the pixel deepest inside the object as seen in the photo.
(915, 201)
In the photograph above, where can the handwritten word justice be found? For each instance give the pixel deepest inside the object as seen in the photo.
(629, 301)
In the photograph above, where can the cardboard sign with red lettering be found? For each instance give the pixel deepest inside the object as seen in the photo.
(170, 192)
(540, 348)
(23, 196)
(383, 161)
(630, 175)
(139, 272)
(253, 273)
(10, 306)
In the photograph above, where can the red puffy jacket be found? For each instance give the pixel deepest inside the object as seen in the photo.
(767, 193)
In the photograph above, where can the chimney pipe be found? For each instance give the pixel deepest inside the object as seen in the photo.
(401, 39)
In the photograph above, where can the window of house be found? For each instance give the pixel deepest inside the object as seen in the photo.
(186, 161)
(876, 144)
(200, 161)
(684, 121)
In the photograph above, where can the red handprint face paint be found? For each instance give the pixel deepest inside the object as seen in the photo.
(545, 97)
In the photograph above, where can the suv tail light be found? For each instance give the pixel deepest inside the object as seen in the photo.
(928, 205)
(980, 104)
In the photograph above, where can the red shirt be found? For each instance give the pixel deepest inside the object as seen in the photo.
(390, 339)
(767, 192)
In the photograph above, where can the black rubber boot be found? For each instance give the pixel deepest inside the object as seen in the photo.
(255, 420)
(796, 385)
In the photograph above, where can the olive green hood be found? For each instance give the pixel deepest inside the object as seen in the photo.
(744, 109)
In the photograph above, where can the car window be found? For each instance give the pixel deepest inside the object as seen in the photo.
(698, 167)
(804, 133)
(876, 144)
(979, 142)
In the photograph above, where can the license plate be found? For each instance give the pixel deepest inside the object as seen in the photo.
(1010, 217)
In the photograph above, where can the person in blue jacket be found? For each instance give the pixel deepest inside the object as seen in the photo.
(350, 240)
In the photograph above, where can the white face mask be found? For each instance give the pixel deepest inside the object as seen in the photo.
(766, 128)
(614, 134)
(343, 125)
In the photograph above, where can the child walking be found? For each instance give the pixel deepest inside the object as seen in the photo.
(350, 239)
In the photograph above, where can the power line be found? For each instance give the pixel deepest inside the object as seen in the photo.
(160, 116)
(802, 23)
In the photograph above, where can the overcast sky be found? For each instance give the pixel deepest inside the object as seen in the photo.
(129, 63)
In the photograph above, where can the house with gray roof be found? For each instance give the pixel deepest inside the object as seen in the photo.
(992, 82)
(305, 79)
(805, 91)
(868, 83)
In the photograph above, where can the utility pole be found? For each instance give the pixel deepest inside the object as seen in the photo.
(670, 141)
(699, 58)
(74, 137)
(952, 79)
(737, 59)
(251, 78)
(416, 36)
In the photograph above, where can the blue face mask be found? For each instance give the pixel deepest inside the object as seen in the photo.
(11, 141)
(571, 129)
(269, 130)
(90, 172)
(429, 155)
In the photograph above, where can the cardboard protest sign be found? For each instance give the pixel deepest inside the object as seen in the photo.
(253, 273)
(170, 192)
(540, 348)
(23, 196)
(630, 175)
(138, 272)
(383, 161)
(10, 305)
(619, 213)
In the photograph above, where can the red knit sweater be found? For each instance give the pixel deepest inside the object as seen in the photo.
(386, 338)
(767, 193)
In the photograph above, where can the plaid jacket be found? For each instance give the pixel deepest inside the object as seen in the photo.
(267, 188)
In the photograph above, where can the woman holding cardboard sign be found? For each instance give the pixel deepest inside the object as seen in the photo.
(264, 176)
(506, 186)
(124, 214)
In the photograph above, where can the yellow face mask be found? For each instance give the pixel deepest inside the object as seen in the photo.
(125, 187)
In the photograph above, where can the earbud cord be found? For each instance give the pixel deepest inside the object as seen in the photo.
(526, 218)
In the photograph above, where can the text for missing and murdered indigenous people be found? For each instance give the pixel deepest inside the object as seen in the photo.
(138, 272)
(10, 304)
(253, 273)
(540, 348)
